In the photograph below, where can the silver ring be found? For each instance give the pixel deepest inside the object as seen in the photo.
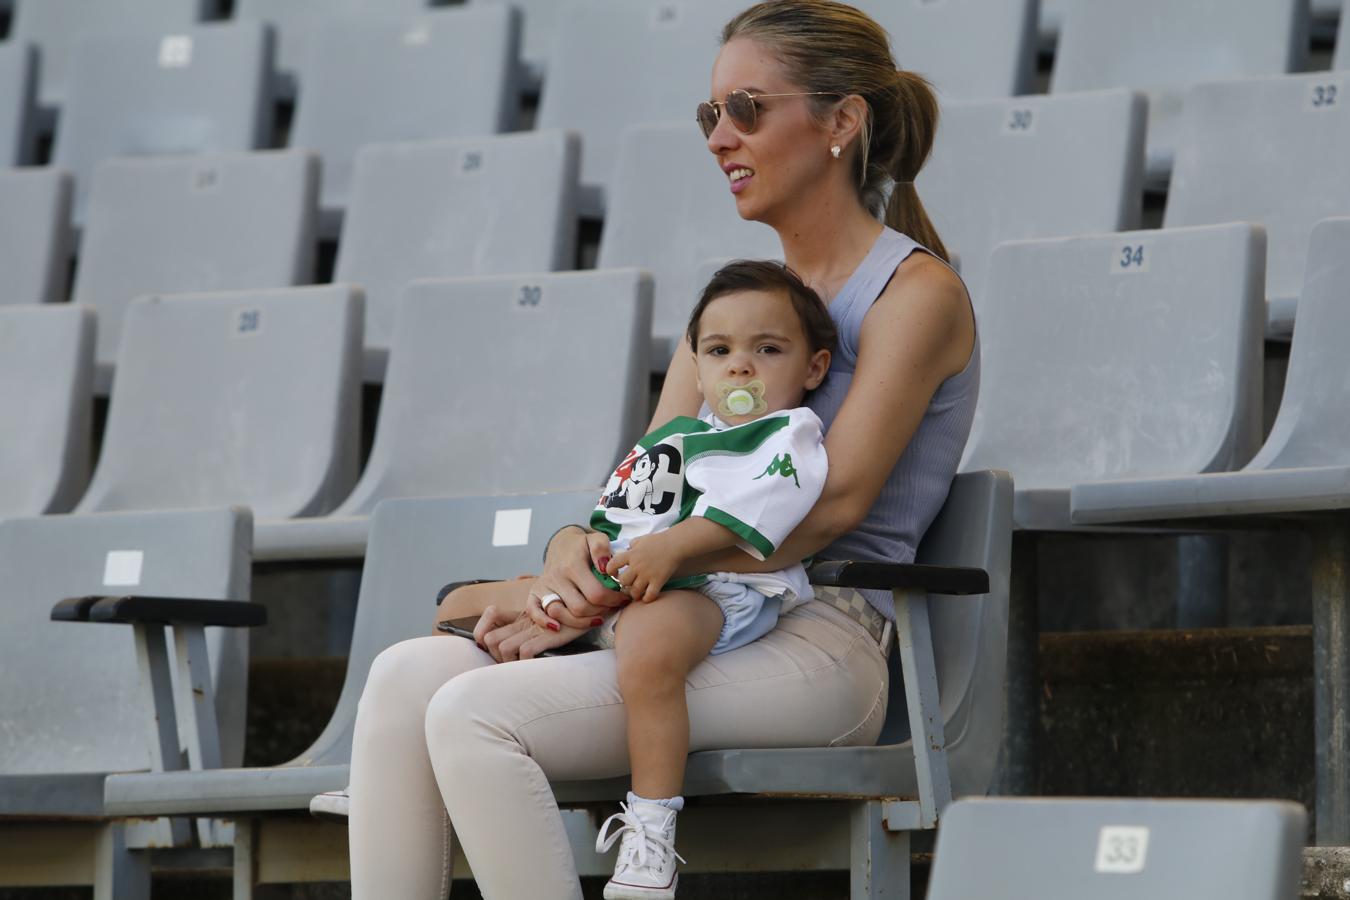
(548, 598)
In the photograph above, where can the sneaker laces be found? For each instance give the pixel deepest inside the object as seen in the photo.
(645, 840)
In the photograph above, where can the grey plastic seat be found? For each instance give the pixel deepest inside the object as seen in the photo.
(1164, 47)
(435, 209)
(1341, 60)
(1117, 356)
(664, 50)
(1285, 175)
(670, 225)
(443, 74)
(454, 421)
(247, 398)
(294, 23)
(57, 26)
(198, 90)
(1058, 849)
(73, 704)
(1033, 167)
(46, 405)
(18, 109)
(34, 235)
(540, 20)
(210, 223)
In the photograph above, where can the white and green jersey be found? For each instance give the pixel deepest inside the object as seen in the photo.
(758, 479)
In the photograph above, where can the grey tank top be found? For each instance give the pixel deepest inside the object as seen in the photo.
(917, 486)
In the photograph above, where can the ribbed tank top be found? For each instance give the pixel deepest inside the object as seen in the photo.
(917, 486)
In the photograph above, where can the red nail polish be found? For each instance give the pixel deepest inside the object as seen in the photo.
(603, 563)
(597, 621)
(480, 646)
(552, 626)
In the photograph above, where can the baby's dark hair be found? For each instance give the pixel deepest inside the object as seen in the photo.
(767, 275)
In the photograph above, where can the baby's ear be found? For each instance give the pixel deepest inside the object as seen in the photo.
(820, 366)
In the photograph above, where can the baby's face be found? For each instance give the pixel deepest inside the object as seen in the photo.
(756, 336)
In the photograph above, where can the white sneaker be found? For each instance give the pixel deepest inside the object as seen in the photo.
(331, 805)
(645, 869)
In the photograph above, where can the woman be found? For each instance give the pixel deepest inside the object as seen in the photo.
(812, 124)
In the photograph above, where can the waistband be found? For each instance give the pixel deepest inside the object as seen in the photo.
(853, 604)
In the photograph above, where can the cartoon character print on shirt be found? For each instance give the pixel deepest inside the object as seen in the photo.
(649, 482)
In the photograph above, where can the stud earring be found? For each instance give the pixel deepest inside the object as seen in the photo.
(835, 151)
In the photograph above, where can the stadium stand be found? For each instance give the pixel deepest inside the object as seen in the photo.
(46, 396)
(672, 224)
(18, 112)
(74, 701)
(253, 398)
(540, 19)
(1282, 174)
(417, 545)
(34, 235)
(57, 26)
(210, 223)
(443, 74)
(206, 89)
(1164, 47)
(294, 22)
(445, 373)
(665, 50)
(1032, 168)
(1115, 849)
(1300, 475)
(438, 209)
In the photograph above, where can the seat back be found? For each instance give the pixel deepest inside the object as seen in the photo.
(1121, 356)
(450, 73)
(538, 26)
(46, 401)
(210, 223)
(416, 546)
(1118, 849)
(1341, 60)
(435, 209)
(1282, 176)
(34, 234)
(18, 110)
(488, 374)
(672, 224)
(249, 398)
(197, 90)
(665, 50)
(1033, 167)
(72, 700)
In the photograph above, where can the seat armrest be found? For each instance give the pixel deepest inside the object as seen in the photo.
(133, 610)
(899, 576)
(74, 609)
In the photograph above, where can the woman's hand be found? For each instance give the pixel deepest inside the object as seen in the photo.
(507, 638)
(567, 573)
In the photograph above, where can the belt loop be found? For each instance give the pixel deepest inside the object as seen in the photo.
(887, 638)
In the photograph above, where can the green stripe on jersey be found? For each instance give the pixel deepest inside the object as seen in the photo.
(740, 529)
(677, 425)
(739, 439)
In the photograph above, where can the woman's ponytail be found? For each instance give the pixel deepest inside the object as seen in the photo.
(916, 120)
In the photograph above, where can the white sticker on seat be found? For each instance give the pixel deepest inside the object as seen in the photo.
(1122, 850)
(511, 528)
(418, 36)
(175, 51)
(122, 568)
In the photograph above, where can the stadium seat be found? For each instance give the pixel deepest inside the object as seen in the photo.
(294, 23)
(540, 19)
(1064, 849)
(968, 49)
(418, 545)
(34, 235)
(1300, 478)
(1163, 47)
(481, 206)
(1116, 356)
(248, 398)
(46, 404)
(672, 224)
(18, 112)
(74, 705)
(663, 48)
(444, 74)
(172, 226)
(204, 89)
(1341, 60)
(57, 26)
(1283, 174)
(453, 418)
(1031, 168)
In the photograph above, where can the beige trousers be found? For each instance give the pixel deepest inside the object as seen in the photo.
(440, 729)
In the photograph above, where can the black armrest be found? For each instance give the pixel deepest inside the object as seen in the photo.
(892, 576)
(160, 610)
(456, 585)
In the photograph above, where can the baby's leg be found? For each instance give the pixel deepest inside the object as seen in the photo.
(469, 601)
(658, 644)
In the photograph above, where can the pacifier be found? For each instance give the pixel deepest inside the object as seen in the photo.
(741, 399)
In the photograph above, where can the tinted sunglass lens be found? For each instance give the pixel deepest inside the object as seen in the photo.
(707, 118)
(741, 108)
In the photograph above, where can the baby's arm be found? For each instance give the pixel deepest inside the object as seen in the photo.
(650, 561)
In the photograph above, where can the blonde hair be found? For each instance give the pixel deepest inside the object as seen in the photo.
(836, 49)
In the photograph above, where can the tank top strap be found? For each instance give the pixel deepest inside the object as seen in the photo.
(865, 285)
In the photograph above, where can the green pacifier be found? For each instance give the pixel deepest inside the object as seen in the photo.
(741, 399)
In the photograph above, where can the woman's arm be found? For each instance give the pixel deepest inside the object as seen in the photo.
(919, 332)
(680, 395)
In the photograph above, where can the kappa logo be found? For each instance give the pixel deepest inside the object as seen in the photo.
(781, 465)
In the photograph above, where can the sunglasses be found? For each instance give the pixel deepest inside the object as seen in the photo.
(743, 109)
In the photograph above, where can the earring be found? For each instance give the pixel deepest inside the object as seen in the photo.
(835, 151)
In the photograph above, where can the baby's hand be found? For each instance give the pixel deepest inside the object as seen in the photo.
(644, 568)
